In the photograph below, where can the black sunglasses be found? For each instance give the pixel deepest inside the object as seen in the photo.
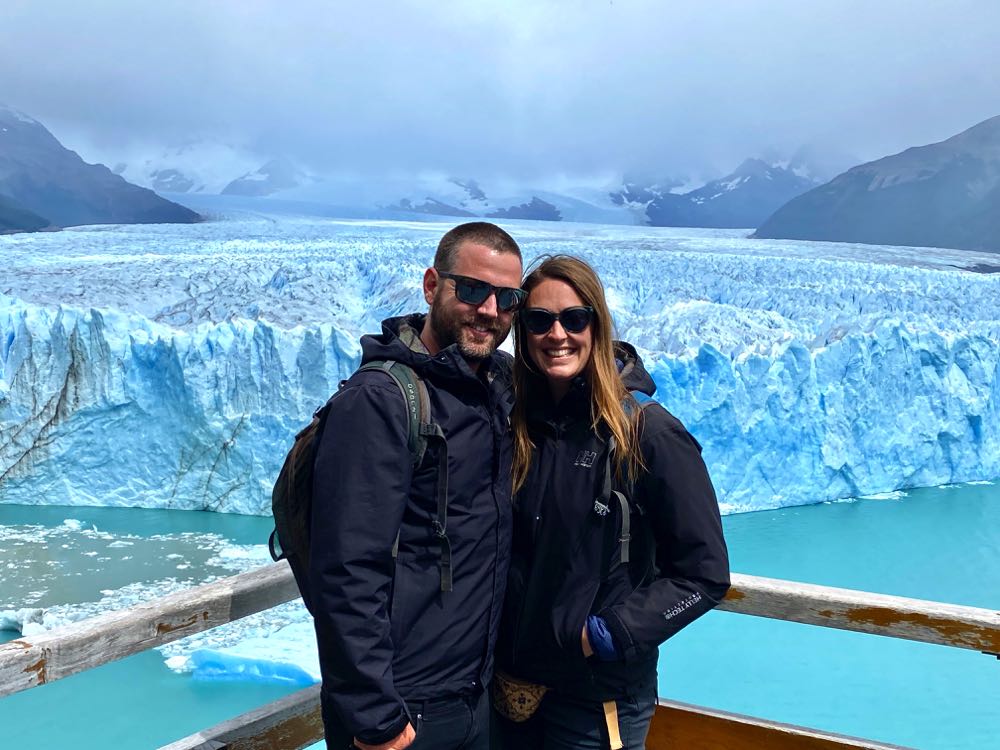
(538, 320)
(475, 292)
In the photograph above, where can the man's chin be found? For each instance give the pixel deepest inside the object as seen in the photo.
(477, 351)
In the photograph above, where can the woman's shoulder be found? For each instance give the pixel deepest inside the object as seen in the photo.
(655, 420)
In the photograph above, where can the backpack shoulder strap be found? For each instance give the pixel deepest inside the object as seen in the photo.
(422, 430)
(608, 491)
(415, 397)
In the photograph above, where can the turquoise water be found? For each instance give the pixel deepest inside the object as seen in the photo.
(136, 702)
(941, 543)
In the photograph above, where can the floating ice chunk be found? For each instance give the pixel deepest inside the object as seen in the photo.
(73, 524)
(178, 663)
(16, 619)
(286, 656)
(897, 495)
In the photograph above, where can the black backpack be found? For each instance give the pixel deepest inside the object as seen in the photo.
(291, 499)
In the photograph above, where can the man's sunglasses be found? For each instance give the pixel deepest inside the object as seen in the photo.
(475, 292)
(538, 320)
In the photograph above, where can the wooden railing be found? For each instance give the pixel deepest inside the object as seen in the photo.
(294, 722)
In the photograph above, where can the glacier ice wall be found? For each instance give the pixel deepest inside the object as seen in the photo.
(200, 351)
(110, 409)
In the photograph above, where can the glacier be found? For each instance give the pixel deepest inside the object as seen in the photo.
(170, 366)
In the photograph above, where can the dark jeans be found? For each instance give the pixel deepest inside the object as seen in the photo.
(457, 723)
(565, 723)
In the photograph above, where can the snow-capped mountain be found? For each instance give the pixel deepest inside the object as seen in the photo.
(743, 198)
(274, 176)
(41, 177)
(945, 194)
(201, 166)
(443, 195)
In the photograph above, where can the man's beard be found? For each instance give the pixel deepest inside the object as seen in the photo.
(450, 328)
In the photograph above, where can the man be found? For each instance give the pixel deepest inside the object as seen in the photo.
(404, 662)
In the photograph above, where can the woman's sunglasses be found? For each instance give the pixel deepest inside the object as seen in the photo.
(538, 320)
(475, 292)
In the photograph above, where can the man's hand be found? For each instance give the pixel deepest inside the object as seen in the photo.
(402, 740)
(585, 639)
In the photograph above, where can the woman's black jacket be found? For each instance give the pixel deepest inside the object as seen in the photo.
(566, 558)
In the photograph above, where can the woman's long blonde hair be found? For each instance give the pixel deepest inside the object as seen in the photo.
(608, 395)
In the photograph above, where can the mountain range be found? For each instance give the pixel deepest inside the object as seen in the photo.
(743, 198)
(44, 184)
(944, 194)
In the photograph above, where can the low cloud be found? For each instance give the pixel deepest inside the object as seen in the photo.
(525, 88)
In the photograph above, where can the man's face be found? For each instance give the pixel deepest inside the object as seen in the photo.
(477, 329)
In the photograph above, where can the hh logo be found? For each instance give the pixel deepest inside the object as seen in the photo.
(585, 459)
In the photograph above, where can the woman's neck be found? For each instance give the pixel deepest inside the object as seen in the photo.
(559, 389)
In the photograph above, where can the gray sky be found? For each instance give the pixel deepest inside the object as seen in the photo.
(520, 88)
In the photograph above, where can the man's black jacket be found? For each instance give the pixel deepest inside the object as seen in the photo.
(566, 555)
(386, 632)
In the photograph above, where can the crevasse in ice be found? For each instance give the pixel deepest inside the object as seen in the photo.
(171, 366)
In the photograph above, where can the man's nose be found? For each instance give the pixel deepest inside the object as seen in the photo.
(489, 306)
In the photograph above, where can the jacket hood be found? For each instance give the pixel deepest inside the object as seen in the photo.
(400, 341)
(631, 370)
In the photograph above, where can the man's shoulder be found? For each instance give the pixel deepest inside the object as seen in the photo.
(374, 387)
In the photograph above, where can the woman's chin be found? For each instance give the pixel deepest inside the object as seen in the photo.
(560, 377)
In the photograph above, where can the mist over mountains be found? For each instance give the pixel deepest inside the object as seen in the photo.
(945, 194)
(743, 198)
(44, 184)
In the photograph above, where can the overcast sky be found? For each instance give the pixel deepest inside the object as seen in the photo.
(520, 88)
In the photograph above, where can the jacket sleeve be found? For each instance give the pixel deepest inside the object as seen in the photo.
(360, 489)
(677, 496)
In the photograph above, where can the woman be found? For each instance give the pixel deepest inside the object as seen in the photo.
(617, 538)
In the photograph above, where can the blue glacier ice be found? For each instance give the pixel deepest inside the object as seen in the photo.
(170, 366)
(286, 655)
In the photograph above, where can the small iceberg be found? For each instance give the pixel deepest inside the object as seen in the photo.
(286, 656)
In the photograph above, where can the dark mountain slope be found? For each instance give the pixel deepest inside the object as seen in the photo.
(14, 218)
(39, 174)
(945, 194)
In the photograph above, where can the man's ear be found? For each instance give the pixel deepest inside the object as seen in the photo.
(431, 281)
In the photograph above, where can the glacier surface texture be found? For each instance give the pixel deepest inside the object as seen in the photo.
(170, 366)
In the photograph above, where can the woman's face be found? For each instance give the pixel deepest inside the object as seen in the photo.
(559, 355)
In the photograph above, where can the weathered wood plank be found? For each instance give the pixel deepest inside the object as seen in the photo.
(36, 660)
(680, 725)
(294, 722)
(879, 614)
(291, 723)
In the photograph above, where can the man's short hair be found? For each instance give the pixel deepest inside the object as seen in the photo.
(478, 233)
